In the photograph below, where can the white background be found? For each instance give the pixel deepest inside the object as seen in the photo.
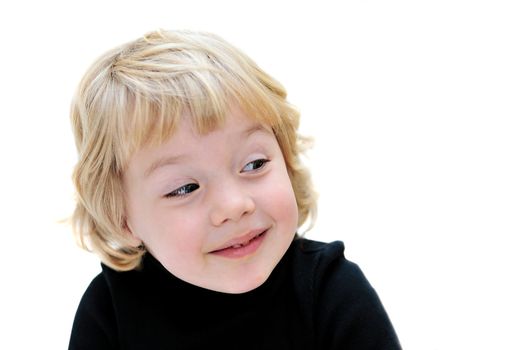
(418, 109)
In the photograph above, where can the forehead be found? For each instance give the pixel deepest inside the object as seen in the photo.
(188, 141)
(235, 126)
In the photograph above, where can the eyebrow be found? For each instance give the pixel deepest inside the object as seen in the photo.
(161, 163)
(177, 158)
(254, 128)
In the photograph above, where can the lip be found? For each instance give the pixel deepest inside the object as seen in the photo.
(241, 246)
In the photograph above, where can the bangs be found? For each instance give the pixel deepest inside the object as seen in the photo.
(152, 102)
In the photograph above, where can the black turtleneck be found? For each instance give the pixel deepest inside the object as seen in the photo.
(314, 299)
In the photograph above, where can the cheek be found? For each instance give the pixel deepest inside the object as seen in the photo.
(280, 201)
(185, 228)
(179, 229)
(289, 210)
(164, 229)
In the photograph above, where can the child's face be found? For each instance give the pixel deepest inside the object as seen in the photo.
(217, 210)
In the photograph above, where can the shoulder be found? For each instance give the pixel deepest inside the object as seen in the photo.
(345, 308)
(98, 287)
(94, 326)
(95, 297)
(308, 246)
(316, 258)
(323, 264)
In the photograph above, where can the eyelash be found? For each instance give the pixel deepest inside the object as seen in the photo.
(187, 189)
(178, 192)
(262, 163)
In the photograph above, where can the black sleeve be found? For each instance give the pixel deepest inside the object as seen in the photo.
(351, 315)
(94, 325)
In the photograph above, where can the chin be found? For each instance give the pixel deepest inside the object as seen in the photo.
(245, 285)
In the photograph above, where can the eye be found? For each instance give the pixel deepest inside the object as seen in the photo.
(183, 190)
(255, 165)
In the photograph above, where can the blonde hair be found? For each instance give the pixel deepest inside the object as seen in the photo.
(134, 96)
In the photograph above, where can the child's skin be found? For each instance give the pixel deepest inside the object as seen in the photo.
(196, 194)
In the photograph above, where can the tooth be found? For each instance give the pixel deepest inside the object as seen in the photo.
(237, 246)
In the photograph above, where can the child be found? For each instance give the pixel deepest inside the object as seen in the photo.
(191, 191)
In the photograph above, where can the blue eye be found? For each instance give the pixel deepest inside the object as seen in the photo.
(255, 165)
(183, 190)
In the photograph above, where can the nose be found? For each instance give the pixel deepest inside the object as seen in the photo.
(231, 202)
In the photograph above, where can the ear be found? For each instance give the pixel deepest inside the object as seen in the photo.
(129, 233)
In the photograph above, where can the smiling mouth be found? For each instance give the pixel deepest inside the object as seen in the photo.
(243, 248)
(239, 245)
